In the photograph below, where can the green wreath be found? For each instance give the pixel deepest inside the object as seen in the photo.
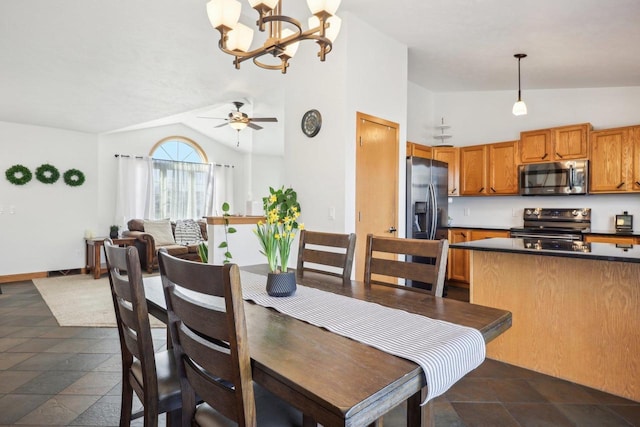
(18, 175)
(47, 174)
(73, 177)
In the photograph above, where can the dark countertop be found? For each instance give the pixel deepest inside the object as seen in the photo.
(480, 227)
(598, 251)
(601, 232)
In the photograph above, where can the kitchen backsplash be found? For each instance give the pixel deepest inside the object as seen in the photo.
(507, 211)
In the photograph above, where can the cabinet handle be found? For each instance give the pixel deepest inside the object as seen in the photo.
(545, 156)
(637, 182)
(463, 235)
(455, 189)
(620, 186)
(481, 190)
(559, 155)
(493, 189)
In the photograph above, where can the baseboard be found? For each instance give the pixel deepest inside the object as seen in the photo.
(39, 275)
(23, 277)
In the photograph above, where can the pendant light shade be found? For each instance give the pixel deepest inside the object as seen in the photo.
(519, 108)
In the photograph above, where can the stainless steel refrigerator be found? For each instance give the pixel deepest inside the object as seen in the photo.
(427, 198)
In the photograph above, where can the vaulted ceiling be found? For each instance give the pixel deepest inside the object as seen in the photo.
(97, 66)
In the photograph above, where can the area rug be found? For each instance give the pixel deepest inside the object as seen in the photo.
(81, 300)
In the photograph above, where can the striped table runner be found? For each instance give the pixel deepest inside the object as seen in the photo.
(445, 351)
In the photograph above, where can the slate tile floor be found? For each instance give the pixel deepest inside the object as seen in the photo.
(51, 375)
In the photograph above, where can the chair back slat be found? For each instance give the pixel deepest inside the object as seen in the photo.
(209, 338)
(333, 250)
(411, 271)
(321, 257)
(207, 320)
(425, 261)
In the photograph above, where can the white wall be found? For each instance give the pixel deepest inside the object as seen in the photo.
(42, 225)
(485, 117)
(321, 169)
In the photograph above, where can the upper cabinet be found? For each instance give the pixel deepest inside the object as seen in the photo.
(451, 156)
(555, 144)
(419, 150)
(615, 166)
(489, 169)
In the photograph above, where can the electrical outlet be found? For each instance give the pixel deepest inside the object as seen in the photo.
(467, 211)
(514, 213)
(332, 213)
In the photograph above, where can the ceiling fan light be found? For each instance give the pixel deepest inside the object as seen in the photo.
(291, 49)
(519, 108)
(268, 3)
(334, 26)
(329, 6)
(238, 125)
(223, 12)
(240, 38)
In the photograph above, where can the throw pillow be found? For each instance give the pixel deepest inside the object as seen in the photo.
(188, 232)
(160, 230)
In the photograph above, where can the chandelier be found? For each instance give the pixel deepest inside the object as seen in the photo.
(281, 43)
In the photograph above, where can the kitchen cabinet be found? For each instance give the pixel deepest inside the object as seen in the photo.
(615, 167)
(458, 259)
(451, 156)
(489, 169)
(419, 150)
(555, 144)
(622, 240)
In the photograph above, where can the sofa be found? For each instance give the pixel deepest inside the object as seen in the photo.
(180, 238)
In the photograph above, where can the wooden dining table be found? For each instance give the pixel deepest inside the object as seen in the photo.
(334, 380)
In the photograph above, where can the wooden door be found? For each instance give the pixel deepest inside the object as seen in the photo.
(503, 168)
(458, 261)
(610, 161)
(377, 159)
(451, 156)
(571, 142)
(535, 146)
(487, 234)
(473, 176)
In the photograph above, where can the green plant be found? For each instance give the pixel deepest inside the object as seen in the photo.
(227, 230)
(203, 252)
(276, 235)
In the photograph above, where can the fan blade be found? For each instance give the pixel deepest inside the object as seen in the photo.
(252, 126)
(263, 119)
(215, 118)
(221, 125)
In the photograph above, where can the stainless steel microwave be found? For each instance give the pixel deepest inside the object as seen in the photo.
(554, 178)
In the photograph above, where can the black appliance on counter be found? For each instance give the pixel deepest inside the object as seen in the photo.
(559, 224)
(426, 204)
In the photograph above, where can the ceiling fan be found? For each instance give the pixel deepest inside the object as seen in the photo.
(239, 120)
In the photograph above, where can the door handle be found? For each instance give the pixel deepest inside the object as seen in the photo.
(392, 229)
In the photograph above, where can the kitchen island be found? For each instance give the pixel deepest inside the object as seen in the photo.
(576, 310)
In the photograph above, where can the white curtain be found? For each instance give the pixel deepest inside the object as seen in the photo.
(182, 190)
(223, 189)
(133, 189)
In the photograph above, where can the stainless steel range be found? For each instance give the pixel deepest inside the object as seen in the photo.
(557, 224)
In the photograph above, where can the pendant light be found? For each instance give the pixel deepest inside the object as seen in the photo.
(519, 108)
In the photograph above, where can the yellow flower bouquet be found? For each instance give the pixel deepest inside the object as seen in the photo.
(276, 235)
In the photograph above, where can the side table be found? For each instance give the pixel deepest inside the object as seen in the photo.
(94, 252)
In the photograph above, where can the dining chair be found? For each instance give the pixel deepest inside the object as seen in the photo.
(209, 335)
(152, 375)
(425, 262)
(332, 250)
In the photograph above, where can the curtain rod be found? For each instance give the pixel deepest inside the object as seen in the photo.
(174, 161)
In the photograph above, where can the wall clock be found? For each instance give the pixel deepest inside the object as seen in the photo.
(311, 123)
